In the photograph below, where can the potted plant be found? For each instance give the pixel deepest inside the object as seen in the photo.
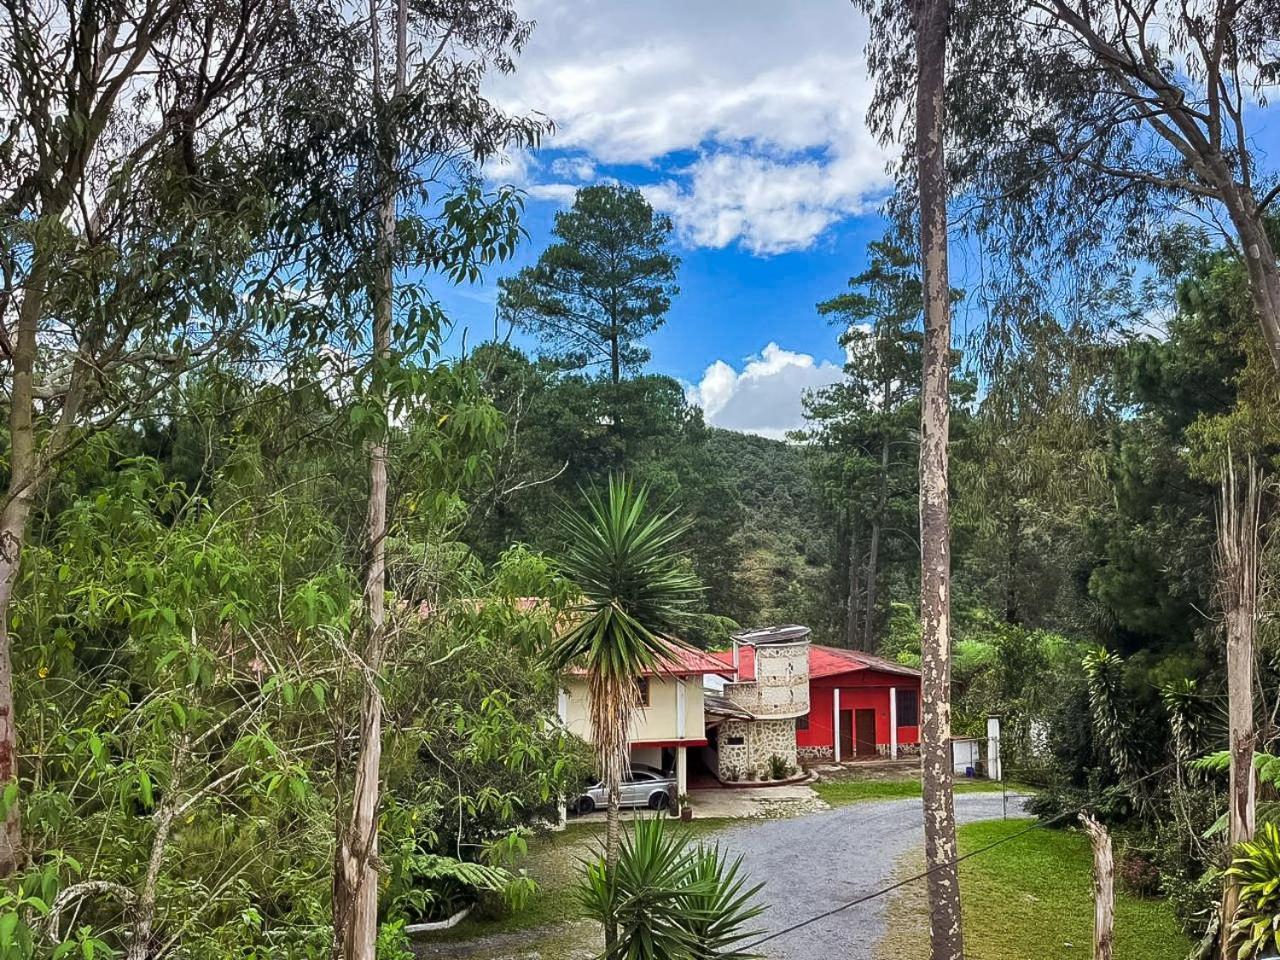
(686, 810)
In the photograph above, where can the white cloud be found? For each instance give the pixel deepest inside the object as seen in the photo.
(755, 111)
(765, 397)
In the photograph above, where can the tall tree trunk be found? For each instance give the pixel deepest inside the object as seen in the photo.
(1238, 524)
(19, 498)
(357, 914)
(873, 550)
(946, 937)
(1013, 561)
(1259, 258)
(851, 603)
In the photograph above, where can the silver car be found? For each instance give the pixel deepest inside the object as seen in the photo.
(642, 787)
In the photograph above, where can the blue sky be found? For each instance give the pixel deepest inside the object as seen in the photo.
(744, 120)
(745, 123)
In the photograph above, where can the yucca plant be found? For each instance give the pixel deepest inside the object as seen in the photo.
(670, 899)
(720, 906)
(635, 588)
(1256, 868)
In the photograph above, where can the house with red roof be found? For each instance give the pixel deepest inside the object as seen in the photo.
(833, 703)
(671, 719)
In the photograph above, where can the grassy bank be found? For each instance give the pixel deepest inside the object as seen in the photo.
(1031, 896)
(841, 792)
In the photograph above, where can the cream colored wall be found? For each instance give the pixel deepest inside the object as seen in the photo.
(658, 721)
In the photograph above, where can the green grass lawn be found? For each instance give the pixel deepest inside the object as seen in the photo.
(1033, 897)
(841, 792)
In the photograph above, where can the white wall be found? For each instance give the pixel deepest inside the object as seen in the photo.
(658, 721)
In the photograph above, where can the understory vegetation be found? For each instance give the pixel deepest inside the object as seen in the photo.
(293, 566)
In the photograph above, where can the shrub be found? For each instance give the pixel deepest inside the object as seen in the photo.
(1138, 873)
(1256, 867)
(670, 898)
(778, 767)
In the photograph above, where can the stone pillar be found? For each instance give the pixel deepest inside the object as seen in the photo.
(682, 770)
(893, 723)
(835, 723)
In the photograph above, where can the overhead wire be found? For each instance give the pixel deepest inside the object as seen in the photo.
(897, 885)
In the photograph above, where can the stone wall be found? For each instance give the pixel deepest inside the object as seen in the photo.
(782, 673)
(816, 753)
(781, 685)
(746, 746)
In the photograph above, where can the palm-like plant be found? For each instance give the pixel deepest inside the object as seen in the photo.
(635, 587)
(671, 900)
(1256, 867)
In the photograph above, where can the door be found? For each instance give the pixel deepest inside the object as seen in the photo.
(865, 728)
(636, 789)
(846, 734)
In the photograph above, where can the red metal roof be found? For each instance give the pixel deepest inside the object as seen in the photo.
(823, 662)
(684, 662)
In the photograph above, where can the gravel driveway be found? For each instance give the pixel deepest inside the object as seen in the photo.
(812, 863)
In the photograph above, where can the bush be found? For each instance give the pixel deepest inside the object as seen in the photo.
(1256, 867)
(1138, 873)
(778, 767)
(670, 898)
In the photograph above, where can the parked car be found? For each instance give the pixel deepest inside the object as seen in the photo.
(643, 787)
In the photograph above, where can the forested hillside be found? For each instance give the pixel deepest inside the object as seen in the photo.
(784, 542)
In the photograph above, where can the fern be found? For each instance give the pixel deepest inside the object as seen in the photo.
(441, 884)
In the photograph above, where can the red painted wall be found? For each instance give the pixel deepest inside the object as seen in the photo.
(859, 690)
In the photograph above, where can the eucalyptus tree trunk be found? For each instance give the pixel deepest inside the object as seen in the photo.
(946, 938)
(873, 551)
(1238, 524)
(356, 906)
(13, 534)
(851, 606)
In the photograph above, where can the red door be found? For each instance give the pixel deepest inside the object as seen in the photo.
(846, 734)
(865, 726)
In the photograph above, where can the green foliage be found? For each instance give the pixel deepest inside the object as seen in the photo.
(570, 432)
(635, 589)
(862, 435)
(1107, 707)
(1255, 866)
(670, 899)
(607, 283)
(184, 665)
(1267, 773)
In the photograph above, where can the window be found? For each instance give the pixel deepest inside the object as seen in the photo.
(642, 690)
(908, 708)
(735, 741)
(802, 723)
